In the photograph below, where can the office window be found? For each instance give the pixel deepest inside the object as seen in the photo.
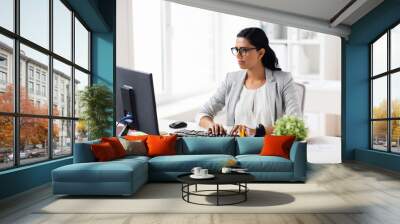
(33, 140)
(379, 55)
(62, 29)
(40, 62)
(35, 21)
(81, 81)
(395, 47)
(7, 74)
(81, 45)
(3, 72)
(62, 137)
(6, 142)
(7, 14)
(63, 73)
(49, 135)
(385, 94)
(379, 97)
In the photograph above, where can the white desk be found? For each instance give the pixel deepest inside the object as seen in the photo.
(163, 126)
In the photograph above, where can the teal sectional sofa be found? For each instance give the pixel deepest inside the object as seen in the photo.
(125, 176)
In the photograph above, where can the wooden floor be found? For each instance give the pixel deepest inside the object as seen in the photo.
(377, 188)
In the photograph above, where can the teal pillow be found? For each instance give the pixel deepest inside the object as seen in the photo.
(208, 145)
(249, 145)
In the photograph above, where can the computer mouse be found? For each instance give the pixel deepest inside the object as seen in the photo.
(178, 124)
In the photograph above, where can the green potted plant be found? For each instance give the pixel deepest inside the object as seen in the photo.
(291, 125)
(96, 102)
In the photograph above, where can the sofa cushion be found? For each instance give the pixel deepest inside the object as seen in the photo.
(129, 159)
(257, 163)
(185, 163)
(120, 170)
(116, 145)
(136, 137)
(249, 145)
(103, 152)
(134, 147)
(160, 145)
(277, 145)
(207, 145)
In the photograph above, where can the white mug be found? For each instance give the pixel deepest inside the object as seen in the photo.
(196, 171)
(203, 172)
(226, 170)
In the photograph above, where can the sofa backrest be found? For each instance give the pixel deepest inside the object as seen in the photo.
(249, 145)
(190, 146)
(206, 145)
(83, 152)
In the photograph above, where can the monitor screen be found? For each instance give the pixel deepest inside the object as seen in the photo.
(135, 95)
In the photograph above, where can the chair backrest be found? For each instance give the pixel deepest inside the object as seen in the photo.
(301, 92)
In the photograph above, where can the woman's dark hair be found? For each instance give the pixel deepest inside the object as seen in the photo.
(259, 39)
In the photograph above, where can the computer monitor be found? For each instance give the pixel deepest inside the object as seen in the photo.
(135, 95)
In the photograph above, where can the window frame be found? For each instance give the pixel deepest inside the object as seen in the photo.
(16, 115)
(388, 74)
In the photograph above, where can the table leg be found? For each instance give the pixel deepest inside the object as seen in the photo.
(188, 190)
(182, 190)
(217, 194)
(245, 193)
(196, 188)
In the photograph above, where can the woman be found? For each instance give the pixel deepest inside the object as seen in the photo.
(260, 93)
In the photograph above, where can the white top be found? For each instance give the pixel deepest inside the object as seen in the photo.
(252, 108)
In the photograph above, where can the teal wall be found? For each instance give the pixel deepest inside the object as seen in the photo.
(24, 178)
(99, 16)
(103, 51)
(355, 85)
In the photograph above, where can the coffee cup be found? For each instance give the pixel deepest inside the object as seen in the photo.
(226, 170)
(196, 171)
(203, 172)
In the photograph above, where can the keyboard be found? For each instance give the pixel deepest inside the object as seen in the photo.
(196, 133)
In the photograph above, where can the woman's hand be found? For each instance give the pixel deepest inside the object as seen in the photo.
(216, 129)
(237, 129)
(212, 127)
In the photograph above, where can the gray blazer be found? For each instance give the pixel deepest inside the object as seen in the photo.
(281, 93)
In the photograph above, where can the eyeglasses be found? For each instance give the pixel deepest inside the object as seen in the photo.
(242, 51)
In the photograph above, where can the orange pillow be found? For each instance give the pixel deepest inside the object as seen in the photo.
(159, 145)
(277, 145)
(103, 151)
(116, 145)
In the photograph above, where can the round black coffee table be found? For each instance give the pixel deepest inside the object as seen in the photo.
(238, 179)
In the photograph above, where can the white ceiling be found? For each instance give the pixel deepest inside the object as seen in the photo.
(315, 15)
(320, 9)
